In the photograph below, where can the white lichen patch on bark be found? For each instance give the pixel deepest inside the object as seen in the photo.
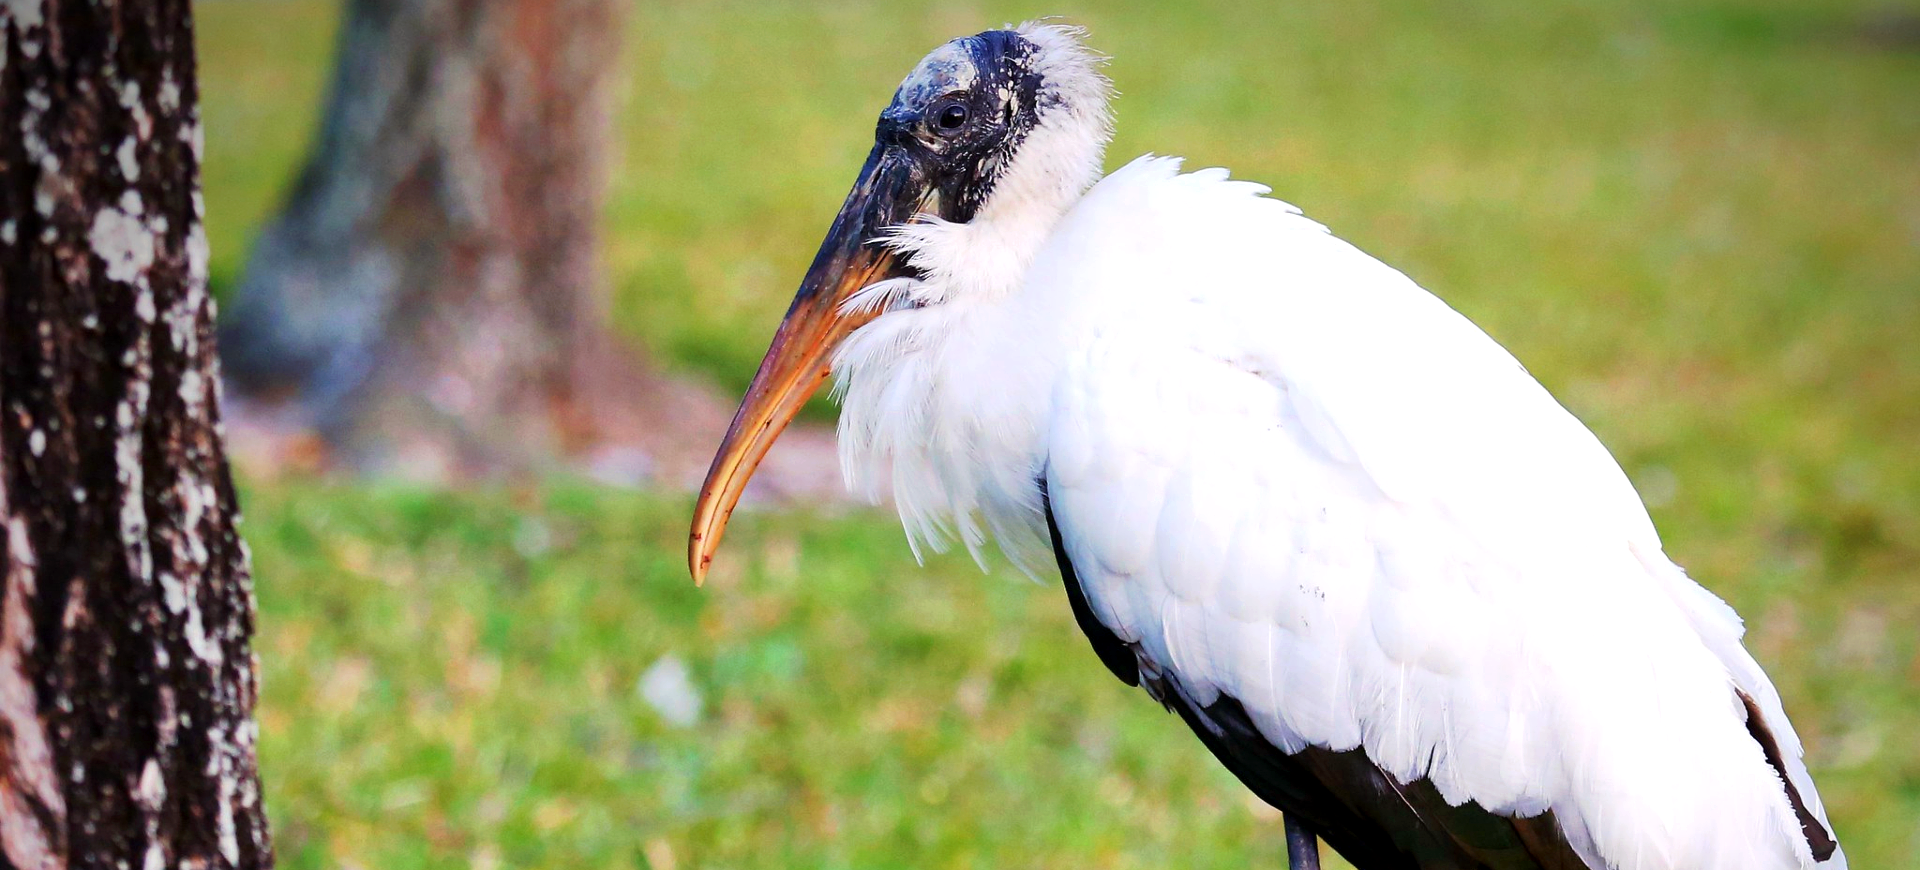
(183, 318)
(151, 791)
(130, 471)
(229, 836)
(31, 138)
(173, 592)
(51, 186)
(25, 13)
(220, 766)
(169, 94)
(130, 100)
(205, 647)
(192, 134)
(193, 391)
(28, 16)
(198, 501)
(125, 243)
(198, 251)
(127, 154)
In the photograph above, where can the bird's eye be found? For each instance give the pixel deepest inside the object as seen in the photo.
(951, 117)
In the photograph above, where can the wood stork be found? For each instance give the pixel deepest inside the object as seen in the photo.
(1392, 584)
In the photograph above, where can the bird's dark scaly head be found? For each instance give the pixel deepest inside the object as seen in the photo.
(957, 120)
(994, 121)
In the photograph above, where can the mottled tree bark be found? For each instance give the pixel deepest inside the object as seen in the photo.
(127, 683)
(430, 293)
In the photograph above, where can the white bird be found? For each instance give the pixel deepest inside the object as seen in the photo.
(1395, 587)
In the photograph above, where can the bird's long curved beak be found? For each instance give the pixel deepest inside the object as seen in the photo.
(889, 192)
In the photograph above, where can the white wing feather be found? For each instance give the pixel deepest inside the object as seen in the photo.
(1291, 475)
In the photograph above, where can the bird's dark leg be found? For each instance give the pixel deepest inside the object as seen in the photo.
(1303, 848)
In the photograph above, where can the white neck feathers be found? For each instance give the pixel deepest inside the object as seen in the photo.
(941, 395)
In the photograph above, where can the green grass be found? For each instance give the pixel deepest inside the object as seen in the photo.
(454, 676)
(1697, 222)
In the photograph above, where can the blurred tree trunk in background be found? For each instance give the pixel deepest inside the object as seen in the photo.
(430, 294)
(127, 682)
(429, 300)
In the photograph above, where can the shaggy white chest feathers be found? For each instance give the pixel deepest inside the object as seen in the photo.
(943, 396)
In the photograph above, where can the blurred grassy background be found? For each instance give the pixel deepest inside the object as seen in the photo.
(1698, 222)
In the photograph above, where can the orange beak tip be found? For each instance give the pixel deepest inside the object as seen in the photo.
(698, 559)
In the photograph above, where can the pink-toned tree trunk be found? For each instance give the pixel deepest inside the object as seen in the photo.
(430, 293)
(429, 300)
(127, 680)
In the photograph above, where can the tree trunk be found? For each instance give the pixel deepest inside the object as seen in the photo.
(429, 295)
(127, 683)
(429, 300)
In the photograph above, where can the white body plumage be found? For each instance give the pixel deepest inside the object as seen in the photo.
(1282, 474)
(1287, 472)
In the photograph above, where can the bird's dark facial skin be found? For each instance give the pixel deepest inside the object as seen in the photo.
(959, 118)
